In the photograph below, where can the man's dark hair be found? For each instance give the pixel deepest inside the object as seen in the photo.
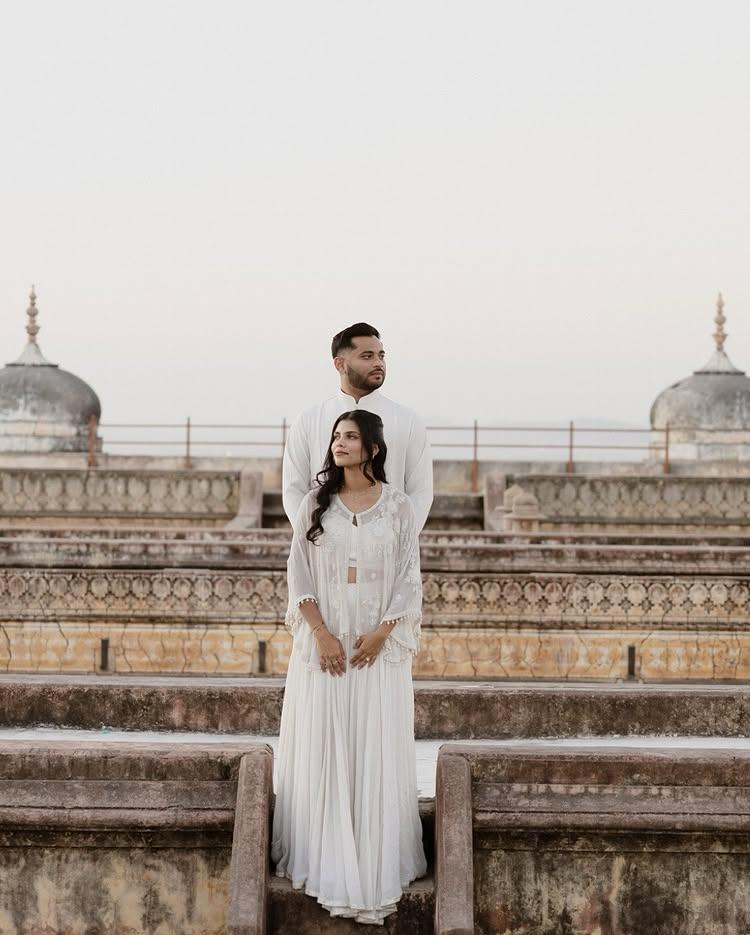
(344, 339)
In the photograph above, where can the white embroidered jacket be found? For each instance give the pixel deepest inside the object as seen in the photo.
(389, 581)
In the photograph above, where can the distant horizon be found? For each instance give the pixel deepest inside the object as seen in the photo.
(581, 421)
(539, 423)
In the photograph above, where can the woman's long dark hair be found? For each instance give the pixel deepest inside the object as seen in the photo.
(331, 478)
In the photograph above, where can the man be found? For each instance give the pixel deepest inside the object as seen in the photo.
(359, 358)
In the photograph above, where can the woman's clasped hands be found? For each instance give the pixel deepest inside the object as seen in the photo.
(368, 646)
(330, 652)
(366, 649)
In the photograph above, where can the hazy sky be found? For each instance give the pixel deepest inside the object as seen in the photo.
(536, 202)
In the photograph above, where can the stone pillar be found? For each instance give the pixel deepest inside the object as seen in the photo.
(250, 511)
(494, 490)
(248, 875)
(454, 853)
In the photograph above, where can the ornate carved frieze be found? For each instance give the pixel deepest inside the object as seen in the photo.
(463, 601)
(30, 492)
(641, 499)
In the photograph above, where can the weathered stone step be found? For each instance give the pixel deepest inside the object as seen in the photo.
(449, 710)
(449, 511)
(291, 910)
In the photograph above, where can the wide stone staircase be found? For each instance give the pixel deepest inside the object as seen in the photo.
(176, 773)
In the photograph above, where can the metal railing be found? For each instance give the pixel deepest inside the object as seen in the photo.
(474, 439)
(186, 441)
(569, 444)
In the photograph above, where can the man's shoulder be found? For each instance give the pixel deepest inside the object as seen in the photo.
(334, 404)
(406, 411)
(313, 412)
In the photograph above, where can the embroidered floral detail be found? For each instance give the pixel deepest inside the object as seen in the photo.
(388, 573)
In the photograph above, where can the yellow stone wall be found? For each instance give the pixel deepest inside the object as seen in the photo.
(233, 649)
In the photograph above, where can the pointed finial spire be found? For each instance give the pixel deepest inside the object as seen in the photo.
(32, 355)
(32, 328)
(718, 362)
(720, 335)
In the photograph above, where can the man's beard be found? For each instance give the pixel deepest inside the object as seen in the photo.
(358, 382)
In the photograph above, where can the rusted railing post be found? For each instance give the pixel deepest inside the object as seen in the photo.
(92, 441)
(666, 449)
(475, 459)
(569, 467)
(188, 459)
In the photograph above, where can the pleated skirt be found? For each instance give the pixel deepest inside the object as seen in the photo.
(346, 823)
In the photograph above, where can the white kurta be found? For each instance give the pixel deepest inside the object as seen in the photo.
(346, 823)
(408, 464)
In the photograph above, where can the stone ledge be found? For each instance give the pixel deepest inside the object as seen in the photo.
(49, 789)
(448, 710)
(570, 839)
(259, 550)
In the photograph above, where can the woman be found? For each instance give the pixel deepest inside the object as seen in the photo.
(346, 823)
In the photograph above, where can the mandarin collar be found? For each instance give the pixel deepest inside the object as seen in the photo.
(373, 395)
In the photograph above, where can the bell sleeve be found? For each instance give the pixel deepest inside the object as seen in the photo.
(299, 567)
(405, 605)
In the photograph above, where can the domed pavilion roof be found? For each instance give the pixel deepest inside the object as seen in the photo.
(48, 405)
(715, 397)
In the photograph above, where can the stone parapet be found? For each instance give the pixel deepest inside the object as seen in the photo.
(211, 498)
(590, 840)
(68, 496)
(118, 494)
(620, 502)
(129, 838)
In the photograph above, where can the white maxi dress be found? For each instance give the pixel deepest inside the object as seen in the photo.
(346, 823)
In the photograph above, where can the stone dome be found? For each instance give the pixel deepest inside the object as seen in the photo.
(46, 394)
(717, 396)
(709, 399)
(706, 416)
(42, 407)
